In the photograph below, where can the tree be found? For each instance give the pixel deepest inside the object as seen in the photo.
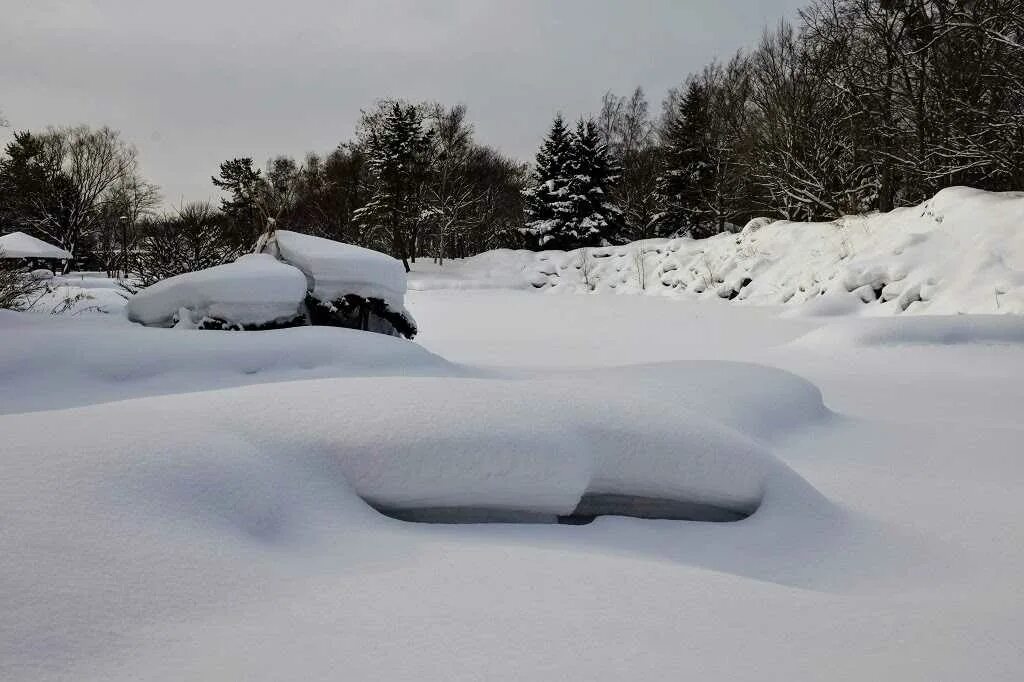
(451, 199)
(626, 128)
(244, 205)
(687, 159)
(63, 181)
(397, 147)
(706, 135)
(549, 213)
(192, 238)
(593, 175)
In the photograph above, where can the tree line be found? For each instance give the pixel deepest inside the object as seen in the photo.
(859, 105)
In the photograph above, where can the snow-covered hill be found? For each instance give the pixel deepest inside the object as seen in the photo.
(960, 252)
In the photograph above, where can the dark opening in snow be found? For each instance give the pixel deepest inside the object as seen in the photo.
(591, 506)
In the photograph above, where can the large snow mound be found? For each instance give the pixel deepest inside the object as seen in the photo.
(335, 269)
(960, 252)
(256, 289)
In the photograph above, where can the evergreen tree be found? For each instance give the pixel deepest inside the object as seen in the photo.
(245, 186)
(688, 170)
(548, 210)
(595, 218)
(36, 195)
(397, 149)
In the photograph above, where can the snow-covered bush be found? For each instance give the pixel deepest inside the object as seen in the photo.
(349, 286)
(297, 280)
(256, 291)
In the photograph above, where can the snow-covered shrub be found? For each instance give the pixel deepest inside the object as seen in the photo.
(349, 286)
(254, 292)
(17, 286)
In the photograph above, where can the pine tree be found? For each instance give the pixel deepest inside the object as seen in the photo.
(595, 218)
(397, 149)
(547, 209)
(688, 173)
(245, 186)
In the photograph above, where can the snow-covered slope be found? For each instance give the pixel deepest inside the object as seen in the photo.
(960, 252)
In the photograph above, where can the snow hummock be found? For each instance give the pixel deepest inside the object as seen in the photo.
(334, 269)
(21, 245)
(255, 289)
(960, 252)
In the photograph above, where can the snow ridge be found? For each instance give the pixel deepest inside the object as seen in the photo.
(960, 252)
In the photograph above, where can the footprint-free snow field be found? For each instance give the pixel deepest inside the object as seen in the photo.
(839, 498)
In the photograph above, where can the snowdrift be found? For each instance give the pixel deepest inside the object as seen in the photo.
(960, 252)
(52, 362)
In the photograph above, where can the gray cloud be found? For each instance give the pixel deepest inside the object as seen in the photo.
(194, 82)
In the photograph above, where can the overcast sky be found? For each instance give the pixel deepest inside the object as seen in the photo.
(194, 82)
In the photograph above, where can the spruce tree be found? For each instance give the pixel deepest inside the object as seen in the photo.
(595, 218)
(397, 148)
(547, 208)
(688, 174)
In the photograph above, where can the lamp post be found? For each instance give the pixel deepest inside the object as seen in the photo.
(124, 246)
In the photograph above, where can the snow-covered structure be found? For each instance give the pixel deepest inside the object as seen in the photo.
(256, 291)
(349, 286)
(293, 280)
(18, 245)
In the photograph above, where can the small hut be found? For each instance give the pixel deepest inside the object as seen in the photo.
(32, 252)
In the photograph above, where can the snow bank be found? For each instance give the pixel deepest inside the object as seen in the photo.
(254, 290)
(335, 269)
(960, 252)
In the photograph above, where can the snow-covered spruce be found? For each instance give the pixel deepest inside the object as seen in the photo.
(960, 252)
(296, 280)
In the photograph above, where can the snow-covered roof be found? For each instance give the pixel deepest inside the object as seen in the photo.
(21, 245)
(335, 269)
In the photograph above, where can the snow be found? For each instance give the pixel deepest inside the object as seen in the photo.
(335, 269)
(21, 245)
(187, 505)
(960, 252)
(255, 289)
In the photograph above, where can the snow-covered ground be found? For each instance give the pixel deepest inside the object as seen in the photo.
(843, 493)
(190, 505)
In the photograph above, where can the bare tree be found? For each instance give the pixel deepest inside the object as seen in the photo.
(92, 166)
(192, 238)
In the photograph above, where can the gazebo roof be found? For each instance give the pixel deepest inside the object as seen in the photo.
(21, 245)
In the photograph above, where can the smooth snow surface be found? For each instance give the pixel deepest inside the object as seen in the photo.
(21, 245)
(193, 505)
(960, 252)
(335, 269)
(255, 289)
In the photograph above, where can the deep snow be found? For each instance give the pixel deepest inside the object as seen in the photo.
(179, 504)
